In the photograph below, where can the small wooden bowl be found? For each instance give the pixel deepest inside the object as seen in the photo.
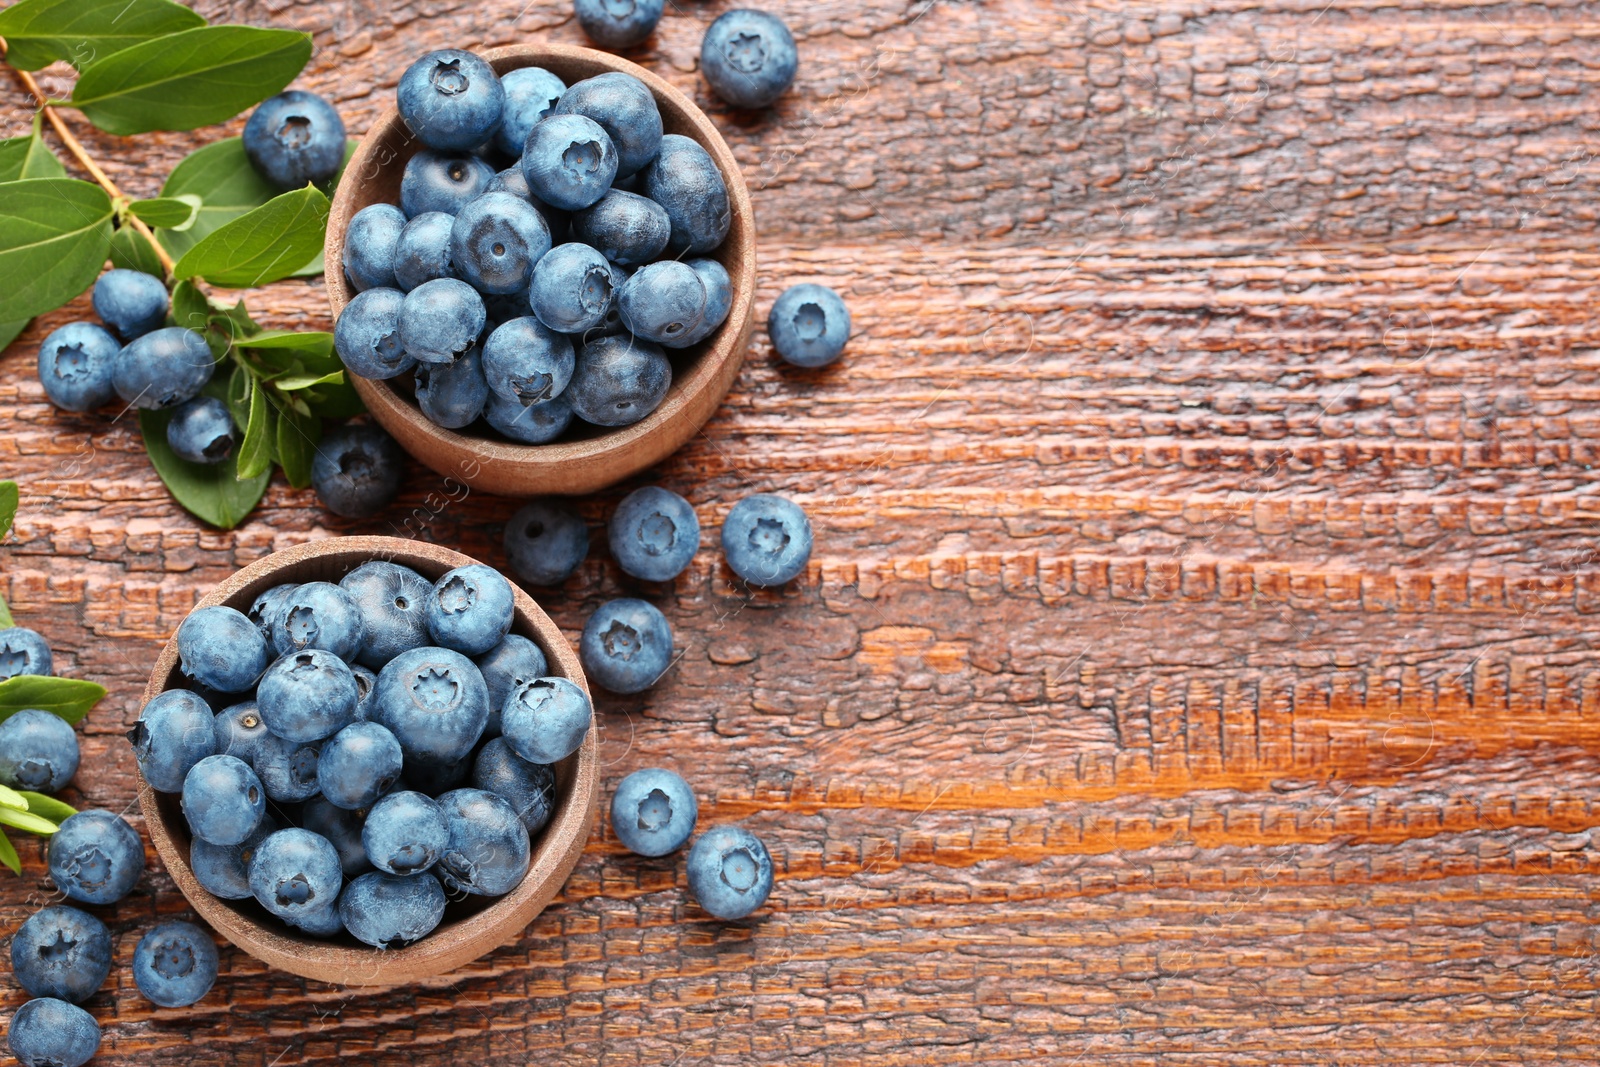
(597, 457)
(470, 928)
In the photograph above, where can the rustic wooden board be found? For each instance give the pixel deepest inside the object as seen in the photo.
(1197, 663)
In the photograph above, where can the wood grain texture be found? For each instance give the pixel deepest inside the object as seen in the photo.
(1197, 663)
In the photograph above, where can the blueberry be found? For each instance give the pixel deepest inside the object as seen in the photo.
(545, 542)
(308, 695)
(423, 251)
(766, 539)
(453, 394)
(506, 666)
(224, 870)
(571, 289)
(367, 335)
(488, 851)
(267, 608)
(287, 769)
(654, 533)
(95, 857)
(221, 648)
(47, 1032)
(356, 470)
(201, 430)
(809, 325)
(729, 871)
(719, 301)
(294, 138)
(434, 701)
(436, 182)
(319, 922)
(452, 100)
(342, 827)
(240, 731)
(130, 302)
(369, 246)
(618, 381)
(366, 682)
(61, 952)
(318, 615)
(546, 720)
(174, 732)
(223, 800)
(495, 242)
(163, 368)
(441, 319)
(295, 872)
(532, 424)
(175, 964)
(531, 94)
(23, 651)
(569, 161)
(653, 812)
(748, 58)
(625, 108)
(390, 911)
(405, 833)
(358, 765)
(626, 645)
(663, 301)
(471, 609)
(528, 787)
(392, 601)
(618, 23)
(628, 228)
(685, 181)
(513, 181)
(38, 751)
(526, 361)
(75, 365)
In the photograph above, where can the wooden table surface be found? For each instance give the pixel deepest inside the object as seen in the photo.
(1196, 663)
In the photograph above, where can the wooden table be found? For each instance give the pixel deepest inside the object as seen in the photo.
(1196, 661)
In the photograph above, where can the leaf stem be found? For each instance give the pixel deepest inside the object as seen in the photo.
(81, 154)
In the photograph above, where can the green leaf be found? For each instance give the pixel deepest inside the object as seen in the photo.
(263, 245)
(168, 212)
(10, 798)
(8, 854)
(10, 331)
(190, 79)
(255, 451)
(190, 307)
(130, 251)
(24, 820)
(55, 234)
(237, 396)
(6, 622)
(291, 382)
(212, 493)
(297, 445)
(39, 32)
(57, 811)
(339, 401)
(69, 698)
(308, 340)
(29, 157)
(8, 506)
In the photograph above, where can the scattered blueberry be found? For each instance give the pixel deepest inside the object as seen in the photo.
(471, 609)
(729, 872)
(423, 251)
(452, 100)
(748, 58)
(627, 228)
(75, 366)
(441, 319)
(390, 911)
(545, 542)
(358, 765)
(663, 301)
(392, 602)
(367, 335)
(506, 666)
(433, 181)
(654, 533)
(221, 648)
(685, 181)
(369, 246)
(308, 695)
(452, 394)
(47, 1032)
(405, 833)
(809, 325)
(23, 651)
(531, 424)
(528, 787)
(163, 368)
(356, 471)
(626, 109)
(287, 769)
(130, 302)
(61, 952)
(38, 751)
(224, 870)
(766, 539)
(618, 381)
(719, 301)
(569, 161)
(201, 430)
(318, 615)
(531, 94)
(626, 646)
(295, 873)
(174, 732)
(223, 800)
(434, 701)
(618, 23)
(653, 812)
(95, 857)
(546, 720)
(175, 964)
(526, 361)
(294, 138)
(488, 851)
(571, 289)
(342, 828)
(495, 242)
(240, 731)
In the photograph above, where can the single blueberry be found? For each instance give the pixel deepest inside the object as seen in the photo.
(390, 911)
(405, 833)
(685, 181)
(240, 731)
(627, 228)
(423, 251)
(23, 651)
(653, 812)
(452, 100)
(530, 788)
(287, 769)
(174, 732)
(369, 246)
(471, 609)
(748, 58)
(367, 335)
(201, 431)
(38, 751)
(308, 695)
(163, 368)
(513, 181)
(453, 394)
(61, 952)
(130, 302)
(75, 366)
(719, 301)
(342, 828)
(626, 646)
(295, 873)
(95, 857)
(729, 871)
(223, 800)
(46, 1032)
(175, 964)
(358, 765)
(766, 539)
(294, 138)
(224, 870)
(531, 94)
(506, 666)
(653, 534)
(434, 701)
(618, 381)
(441, 319)
(571, 290)
(221, 648)
(809, 325)
(618, 23)
(495, 242)
(318, 615)
(267, 608)
(545, 542)
(663, 301)
(356, 470)
(488, 851)
(569, 161)
(437, 182)
(546, 720)
(526, 361)
(626, 109)
(319, 922)
(392, 601)
(531, 424)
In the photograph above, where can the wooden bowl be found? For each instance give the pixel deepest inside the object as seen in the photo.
(596, 457)
(470, 928)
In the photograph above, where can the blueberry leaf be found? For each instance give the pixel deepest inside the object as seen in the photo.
(25, 820)
(57, 811)
(298, 340)
(10, 798)
(189, 79)
(55, 234)
(130, 251)
(29, 157)
(8, 506)
(68, 698)
(6, 621)
(8, 855)
(168, 212)
(255, 451)
(297, 445)
(289, 383)
(213, 493)
(260, 246)
(39, 32)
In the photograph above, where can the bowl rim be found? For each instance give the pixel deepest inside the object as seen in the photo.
(499, 922)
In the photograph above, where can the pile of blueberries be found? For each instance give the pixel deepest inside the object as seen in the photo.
(383, 745)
